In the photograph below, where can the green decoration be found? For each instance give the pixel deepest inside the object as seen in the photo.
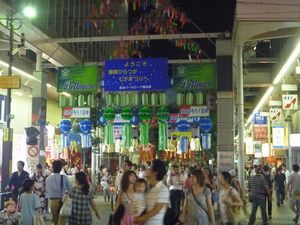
(189, 98)
(108, 134)
(162, 99)
(108, 99)
(135, 99)
(145, 99)
(199, 98)
(109, 113)
(162, 134)
(127, 99)
(91, 100)
(117, 100)
(62, 100)
(163, 113)
(126, 113)
(144, 133)
(71, 102)
(179, 99)
(112, 24)
(154, 99)
(127, 135)
(80, 100)
(145, 113)
(123, 99)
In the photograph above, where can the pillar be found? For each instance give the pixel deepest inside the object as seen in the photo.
(39, 106)
(225, 109)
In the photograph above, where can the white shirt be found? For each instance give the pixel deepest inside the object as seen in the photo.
(118, 181)
(142, 174)
(175, 182)
(158, 194)
(138, 204)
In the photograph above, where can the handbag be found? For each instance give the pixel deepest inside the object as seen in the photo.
(236, 214)
(66, 209)
(38, 219)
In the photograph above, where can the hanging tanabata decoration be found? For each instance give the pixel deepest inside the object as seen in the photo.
(65, 127)
(162, 115)
(86, 137)
(145, 148)
(109, 115)
(126, 114)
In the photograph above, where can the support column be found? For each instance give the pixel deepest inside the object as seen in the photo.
(225, 109)
(39, 106)
(240, 109)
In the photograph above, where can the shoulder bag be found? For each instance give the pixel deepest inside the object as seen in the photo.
(198, 203)
(236, 214)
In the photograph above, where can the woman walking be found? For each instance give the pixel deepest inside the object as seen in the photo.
(229, 197)
(82, 198)
(40, 186)
(197, 208)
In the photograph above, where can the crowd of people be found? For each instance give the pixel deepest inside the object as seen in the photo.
(150, 193)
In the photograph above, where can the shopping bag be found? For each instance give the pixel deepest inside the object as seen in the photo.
(38, 219)
(66, 209)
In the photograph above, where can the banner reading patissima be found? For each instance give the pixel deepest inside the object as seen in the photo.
(77, 79)
(200, 76)
(136, 75)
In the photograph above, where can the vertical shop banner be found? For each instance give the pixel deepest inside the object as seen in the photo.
(225, 160)
(278, 136)
(257, 151)
(295, 140)
(195, 76)
(260, 128)
(77, 79)
(276, 115)
(290, 102)
(136, 75)
(249, 146)
(265, 150)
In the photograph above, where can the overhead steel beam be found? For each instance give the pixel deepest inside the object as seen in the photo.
(257, 85)
(133, 38)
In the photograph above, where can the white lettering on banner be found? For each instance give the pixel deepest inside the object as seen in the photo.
(76, 112)
(119, 119)
(225, 161)
(194, 111)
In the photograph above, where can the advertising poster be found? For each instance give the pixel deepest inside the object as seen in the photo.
(225, 160)
(278, 136)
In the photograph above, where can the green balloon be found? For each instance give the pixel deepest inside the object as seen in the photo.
(109, 113)
(145, 113)
(126, 113)
(163, 113)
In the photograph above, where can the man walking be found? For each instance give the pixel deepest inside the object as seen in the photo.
(16, 180)
(56, 186)
(269, 179)
(293, 188)
(258, 189)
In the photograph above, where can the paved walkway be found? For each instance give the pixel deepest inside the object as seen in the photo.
(280, 215)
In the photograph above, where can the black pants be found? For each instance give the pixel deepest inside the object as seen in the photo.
(269, 204)
(175, 198)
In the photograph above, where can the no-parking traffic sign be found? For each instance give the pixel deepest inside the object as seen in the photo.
(32, 155)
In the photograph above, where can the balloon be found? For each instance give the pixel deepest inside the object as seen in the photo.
(163, 113)
(109, 114)
(126, 113)
(65, 126)
(145, 113)
(85, 126)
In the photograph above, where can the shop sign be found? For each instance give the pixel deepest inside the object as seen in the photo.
(200, 76)
(278, 136)
(280, 154)
(71, 112)
(295, 140)
(77, 79)
(118, 131)
(32, 155)
(147, 74)
(193, 111)
(10, 82)
(289, 87)
(260, 133)
(275, 103)
(205, 124)
(265, 150)
(183, 126)
(173, 117)
(249, 146)
(290, 102)
(257, 151)
(276, 115)
(225, 161)
(258, 119)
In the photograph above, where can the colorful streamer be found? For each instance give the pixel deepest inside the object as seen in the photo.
(162, 133)
(108, 134)
(144, 133)
(127, 135)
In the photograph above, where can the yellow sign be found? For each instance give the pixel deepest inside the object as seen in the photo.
(10, 82)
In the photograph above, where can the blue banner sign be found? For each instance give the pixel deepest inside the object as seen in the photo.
(205, 124)
(136, 75)
(259, 119)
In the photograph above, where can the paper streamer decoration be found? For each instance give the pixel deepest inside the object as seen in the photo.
(126, 99)
(144, 133)
(65, 127)
(109, 114)
(62, 100)
(91, 100)
(108, 99)
(154, 99)
(135, 99)
(126, 113)
(71, 102)
(189, 98)
(86, 140)
(145, 113)
(162, 99)
(80, 100)
(199, 98)
(117, 100)
(179, 99)
(108, 134)
(163, 113)
(127, 135)
(162, 134)
(145, 99)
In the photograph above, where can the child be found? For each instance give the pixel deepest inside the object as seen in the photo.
(29, 202)
(10, 208)
(138, 199)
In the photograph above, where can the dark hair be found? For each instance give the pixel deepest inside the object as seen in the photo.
(83, 181)
(296, 167)
(134, 165)
(27, 184)
(39, 166)
(21, 162)
(199, 176)
(227, 177)
(266, 168)
(129, 163)
(141, 181)
(159, 167)
(125, 180)
(57, 166)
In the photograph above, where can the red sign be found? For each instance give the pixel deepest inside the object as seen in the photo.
(260, 133)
